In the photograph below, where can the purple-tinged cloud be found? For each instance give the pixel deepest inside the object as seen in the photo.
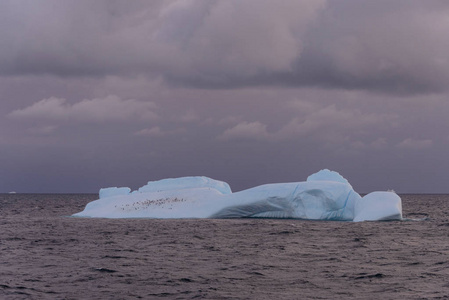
(247, 131)
(327, 124)
(151, 132)
(416, 144)
(361, 45)
(110, 108)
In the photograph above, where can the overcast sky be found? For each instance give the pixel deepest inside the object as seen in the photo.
(117, 93)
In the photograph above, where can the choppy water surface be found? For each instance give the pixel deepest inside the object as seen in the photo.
(44, 255)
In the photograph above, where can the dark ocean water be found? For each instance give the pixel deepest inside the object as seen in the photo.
(46, 255)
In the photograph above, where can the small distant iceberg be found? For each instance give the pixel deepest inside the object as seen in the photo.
(12, 192)
(325, 195)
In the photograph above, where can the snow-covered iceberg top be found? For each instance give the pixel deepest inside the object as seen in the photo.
(326, 195)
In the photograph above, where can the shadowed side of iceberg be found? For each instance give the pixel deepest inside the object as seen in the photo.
(317, 200)
(378, 206)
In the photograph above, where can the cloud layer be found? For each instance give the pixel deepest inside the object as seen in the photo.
(221, 44)
(110, 108)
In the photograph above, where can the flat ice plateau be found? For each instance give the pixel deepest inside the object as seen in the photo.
(325, 195)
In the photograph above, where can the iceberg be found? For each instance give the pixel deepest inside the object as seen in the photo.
(325, 195)
(113, 191)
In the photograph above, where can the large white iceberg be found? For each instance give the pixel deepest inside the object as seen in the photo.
(325, 195)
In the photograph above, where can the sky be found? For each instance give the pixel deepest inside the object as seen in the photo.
(117, 93)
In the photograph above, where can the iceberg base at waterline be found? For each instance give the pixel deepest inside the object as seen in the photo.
(325, 195)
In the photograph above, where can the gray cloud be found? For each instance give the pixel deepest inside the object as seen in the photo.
(151, 132)
(110, 108)
(228, 44)
(410, 143)
(313, 122)
(247, 130)
(267, 135)
(157, 132)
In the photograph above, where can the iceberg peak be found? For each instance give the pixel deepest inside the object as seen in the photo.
(327, 175)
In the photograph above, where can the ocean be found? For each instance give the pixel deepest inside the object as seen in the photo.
(45, 254)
